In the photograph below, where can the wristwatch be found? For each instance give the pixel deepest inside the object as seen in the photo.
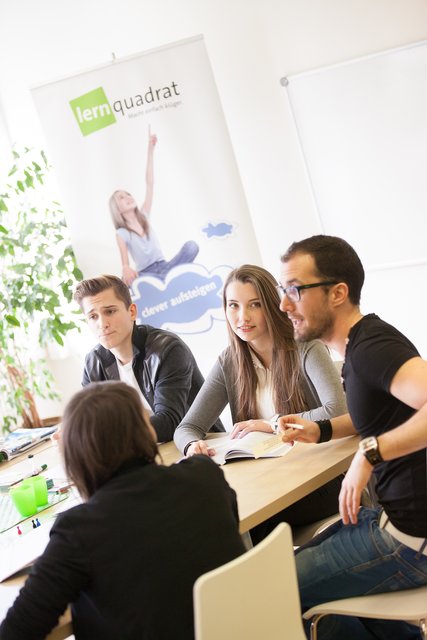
(369, 448)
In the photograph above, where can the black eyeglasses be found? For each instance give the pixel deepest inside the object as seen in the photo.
(293, 292)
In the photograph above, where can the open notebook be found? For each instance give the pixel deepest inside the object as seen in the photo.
(255, 444)
(20, 440)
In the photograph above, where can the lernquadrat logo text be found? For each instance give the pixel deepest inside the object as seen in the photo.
(92, 111)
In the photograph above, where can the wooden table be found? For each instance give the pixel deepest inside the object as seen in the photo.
(263, 487)
(266, 486)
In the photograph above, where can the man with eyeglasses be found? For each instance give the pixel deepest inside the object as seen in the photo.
(369, 550)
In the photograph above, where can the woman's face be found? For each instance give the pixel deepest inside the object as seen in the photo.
(125, 201)
(244, 312)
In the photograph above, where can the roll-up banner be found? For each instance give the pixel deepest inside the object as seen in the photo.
(150, 185)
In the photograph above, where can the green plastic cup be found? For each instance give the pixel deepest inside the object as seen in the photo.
(24, 499)
(39, 487)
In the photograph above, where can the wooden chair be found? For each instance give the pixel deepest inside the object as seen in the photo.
(254, 596)
(409, 605)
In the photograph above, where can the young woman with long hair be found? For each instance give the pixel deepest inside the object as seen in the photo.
(135, 235)
(127, 558)
(263, 373)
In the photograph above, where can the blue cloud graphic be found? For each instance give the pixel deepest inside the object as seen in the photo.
(183, 299)
(221, 229)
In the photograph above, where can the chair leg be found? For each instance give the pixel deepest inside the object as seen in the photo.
(313, 625)
(247, 540)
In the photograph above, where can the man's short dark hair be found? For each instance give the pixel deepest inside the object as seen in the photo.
(335, 260)
(93, 286)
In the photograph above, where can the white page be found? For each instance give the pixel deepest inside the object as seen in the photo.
(250, 446)
(18, 552)
(8, 594)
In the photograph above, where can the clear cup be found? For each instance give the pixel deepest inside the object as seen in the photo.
(24, 499)
(39, 487)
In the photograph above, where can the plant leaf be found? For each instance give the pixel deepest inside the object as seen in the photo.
(12, 320)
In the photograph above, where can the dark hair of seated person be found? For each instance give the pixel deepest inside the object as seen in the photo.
(104, 426)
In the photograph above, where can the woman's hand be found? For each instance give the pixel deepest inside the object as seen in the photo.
(56, 436)
(128, 275)
(309, 431)
(242, 428)
(199, 447)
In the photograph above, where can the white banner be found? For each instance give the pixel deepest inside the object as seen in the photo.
(148, 179)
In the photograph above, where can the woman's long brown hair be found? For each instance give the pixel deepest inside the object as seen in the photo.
(286, 372)
(103, 427)
(120, 222)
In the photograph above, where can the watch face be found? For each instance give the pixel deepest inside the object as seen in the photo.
(369, 448)
(369, 444)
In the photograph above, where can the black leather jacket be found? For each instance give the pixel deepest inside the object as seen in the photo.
(165, 370)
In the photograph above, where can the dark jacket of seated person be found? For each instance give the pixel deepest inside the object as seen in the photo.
(165, 370)
(157, 363)
(127, 558)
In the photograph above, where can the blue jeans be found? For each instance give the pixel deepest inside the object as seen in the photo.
(185, 255)
(354, 560)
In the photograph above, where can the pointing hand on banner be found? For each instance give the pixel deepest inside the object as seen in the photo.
(152, 138)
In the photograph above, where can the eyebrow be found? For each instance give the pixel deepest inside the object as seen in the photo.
(109, 306)
(251, 300)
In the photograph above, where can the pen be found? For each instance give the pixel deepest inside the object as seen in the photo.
(294, 426)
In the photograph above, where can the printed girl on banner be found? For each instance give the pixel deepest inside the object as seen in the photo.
(135, 235)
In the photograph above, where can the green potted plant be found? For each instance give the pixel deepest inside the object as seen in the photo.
(38, 271)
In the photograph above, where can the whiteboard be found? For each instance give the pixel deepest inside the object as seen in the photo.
(362, 127)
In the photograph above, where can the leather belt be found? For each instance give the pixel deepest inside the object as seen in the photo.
(417, 544)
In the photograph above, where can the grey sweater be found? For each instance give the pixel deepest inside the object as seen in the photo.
(321, 386)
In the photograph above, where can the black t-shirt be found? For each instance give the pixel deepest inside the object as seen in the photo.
(375, 352)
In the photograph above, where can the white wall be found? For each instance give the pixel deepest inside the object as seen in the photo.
(251, 44)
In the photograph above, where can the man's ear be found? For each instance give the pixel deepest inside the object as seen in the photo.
(339, 294)
(133, 311)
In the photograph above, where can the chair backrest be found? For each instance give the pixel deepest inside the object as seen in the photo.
(254, 596)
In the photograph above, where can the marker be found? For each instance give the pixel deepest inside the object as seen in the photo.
(31, 459)
(291, 425)
(35, 472)
(38, 470)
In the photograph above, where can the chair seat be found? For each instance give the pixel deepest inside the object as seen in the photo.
(305, 533)
(410, 605)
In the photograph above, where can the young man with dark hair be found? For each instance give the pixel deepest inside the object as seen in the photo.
(157, 363)
(370, 550)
